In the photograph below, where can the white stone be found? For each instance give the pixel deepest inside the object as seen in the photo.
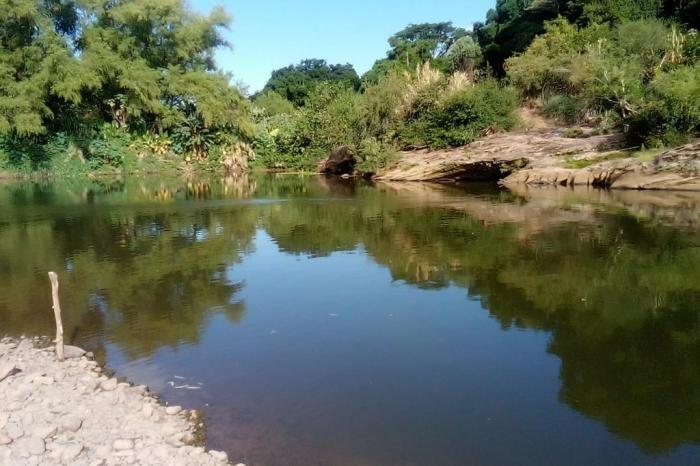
(72, 424)
(45, 380)
(45, 431)
(147, 410)
(123, 444)
(71, 451)
(13, 430)
(219, 455)
(35, 445)
(72, 352)
(109, 385)
(5, 440)
(6, 368)
(173, 410)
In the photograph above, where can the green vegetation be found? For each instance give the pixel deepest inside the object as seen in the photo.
(115, 85)
(124, 86)
(643, 75)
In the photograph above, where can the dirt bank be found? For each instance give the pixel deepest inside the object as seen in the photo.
(55, 413)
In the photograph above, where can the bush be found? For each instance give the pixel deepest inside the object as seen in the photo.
(373, 155)
(568, 109)
(461, 117)
(671, 114)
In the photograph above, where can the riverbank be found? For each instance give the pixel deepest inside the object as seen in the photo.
(548, 157)
(54, 413)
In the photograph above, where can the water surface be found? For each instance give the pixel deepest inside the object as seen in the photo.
(325, 322)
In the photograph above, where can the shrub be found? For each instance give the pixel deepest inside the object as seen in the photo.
(566, 108)
(461, 117)
(373, 155)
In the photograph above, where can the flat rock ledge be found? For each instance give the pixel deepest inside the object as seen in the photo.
(543, 158)
(69, 413)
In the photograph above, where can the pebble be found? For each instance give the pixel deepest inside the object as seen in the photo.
(13, 430)
(35, 445)
(173, 410)
(5, 440)
(147, 410)
(219, 455)
(45, 431)
(72, 424)
(71, 451)
(123, 444)
(109, 385)
(72, 352)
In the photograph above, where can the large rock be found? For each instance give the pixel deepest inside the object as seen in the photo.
(341, 161)
(497, 156)
(677, 169)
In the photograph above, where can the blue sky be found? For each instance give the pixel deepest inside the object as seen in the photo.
(270, 34)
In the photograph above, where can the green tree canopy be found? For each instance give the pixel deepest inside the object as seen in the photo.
(136, 64)
(417, 44)
(296, 82)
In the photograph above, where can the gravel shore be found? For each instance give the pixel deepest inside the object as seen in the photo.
(55, 413)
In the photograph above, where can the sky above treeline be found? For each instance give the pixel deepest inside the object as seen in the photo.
(271, 34)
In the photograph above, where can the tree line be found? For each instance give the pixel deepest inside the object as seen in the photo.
(126, 85)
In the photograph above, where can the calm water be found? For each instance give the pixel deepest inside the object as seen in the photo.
(321, 322)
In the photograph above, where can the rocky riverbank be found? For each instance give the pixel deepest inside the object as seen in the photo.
(56, 413)
(548, 157)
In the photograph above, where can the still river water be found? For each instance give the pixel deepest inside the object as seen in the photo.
(325, 322)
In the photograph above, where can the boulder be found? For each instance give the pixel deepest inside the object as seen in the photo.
(340, 161)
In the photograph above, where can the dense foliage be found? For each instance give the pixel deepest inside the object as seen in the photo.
(296, 82)
(91, 85)
(88, 79)
(641, 74)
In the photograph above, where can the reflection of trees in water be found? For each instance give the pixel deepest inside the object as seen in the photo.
(147, 277)
(619, 295)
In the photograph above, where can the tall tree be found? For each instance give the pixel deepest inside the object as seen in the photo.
(296, 82)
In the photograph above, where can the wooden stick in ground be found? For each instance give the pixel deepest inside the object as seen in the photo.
(57, 313)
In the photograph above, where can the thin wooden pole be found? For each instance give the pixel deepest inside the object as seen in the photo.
(57, 314)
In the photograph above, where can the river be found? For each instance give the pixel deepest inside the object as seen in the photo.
(318, 321)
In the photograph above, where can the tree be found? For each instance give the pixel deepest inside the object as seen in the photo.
(136, 64)
(415, 45)
(297, 82)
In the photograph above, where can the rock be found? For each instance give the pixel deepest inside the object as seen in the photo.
(7, 369)
(25, 345)
(123, 444)
(173, 410)
(340, 161)
(13, 430)
(109, 385)
(219, 455)
(45, 431)
(35, 445)
(5, 440)
(147, 410)
(44, 380)
(71, 451)
(160, 451)
(72, 352)
(5, 348)
(71, 424)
